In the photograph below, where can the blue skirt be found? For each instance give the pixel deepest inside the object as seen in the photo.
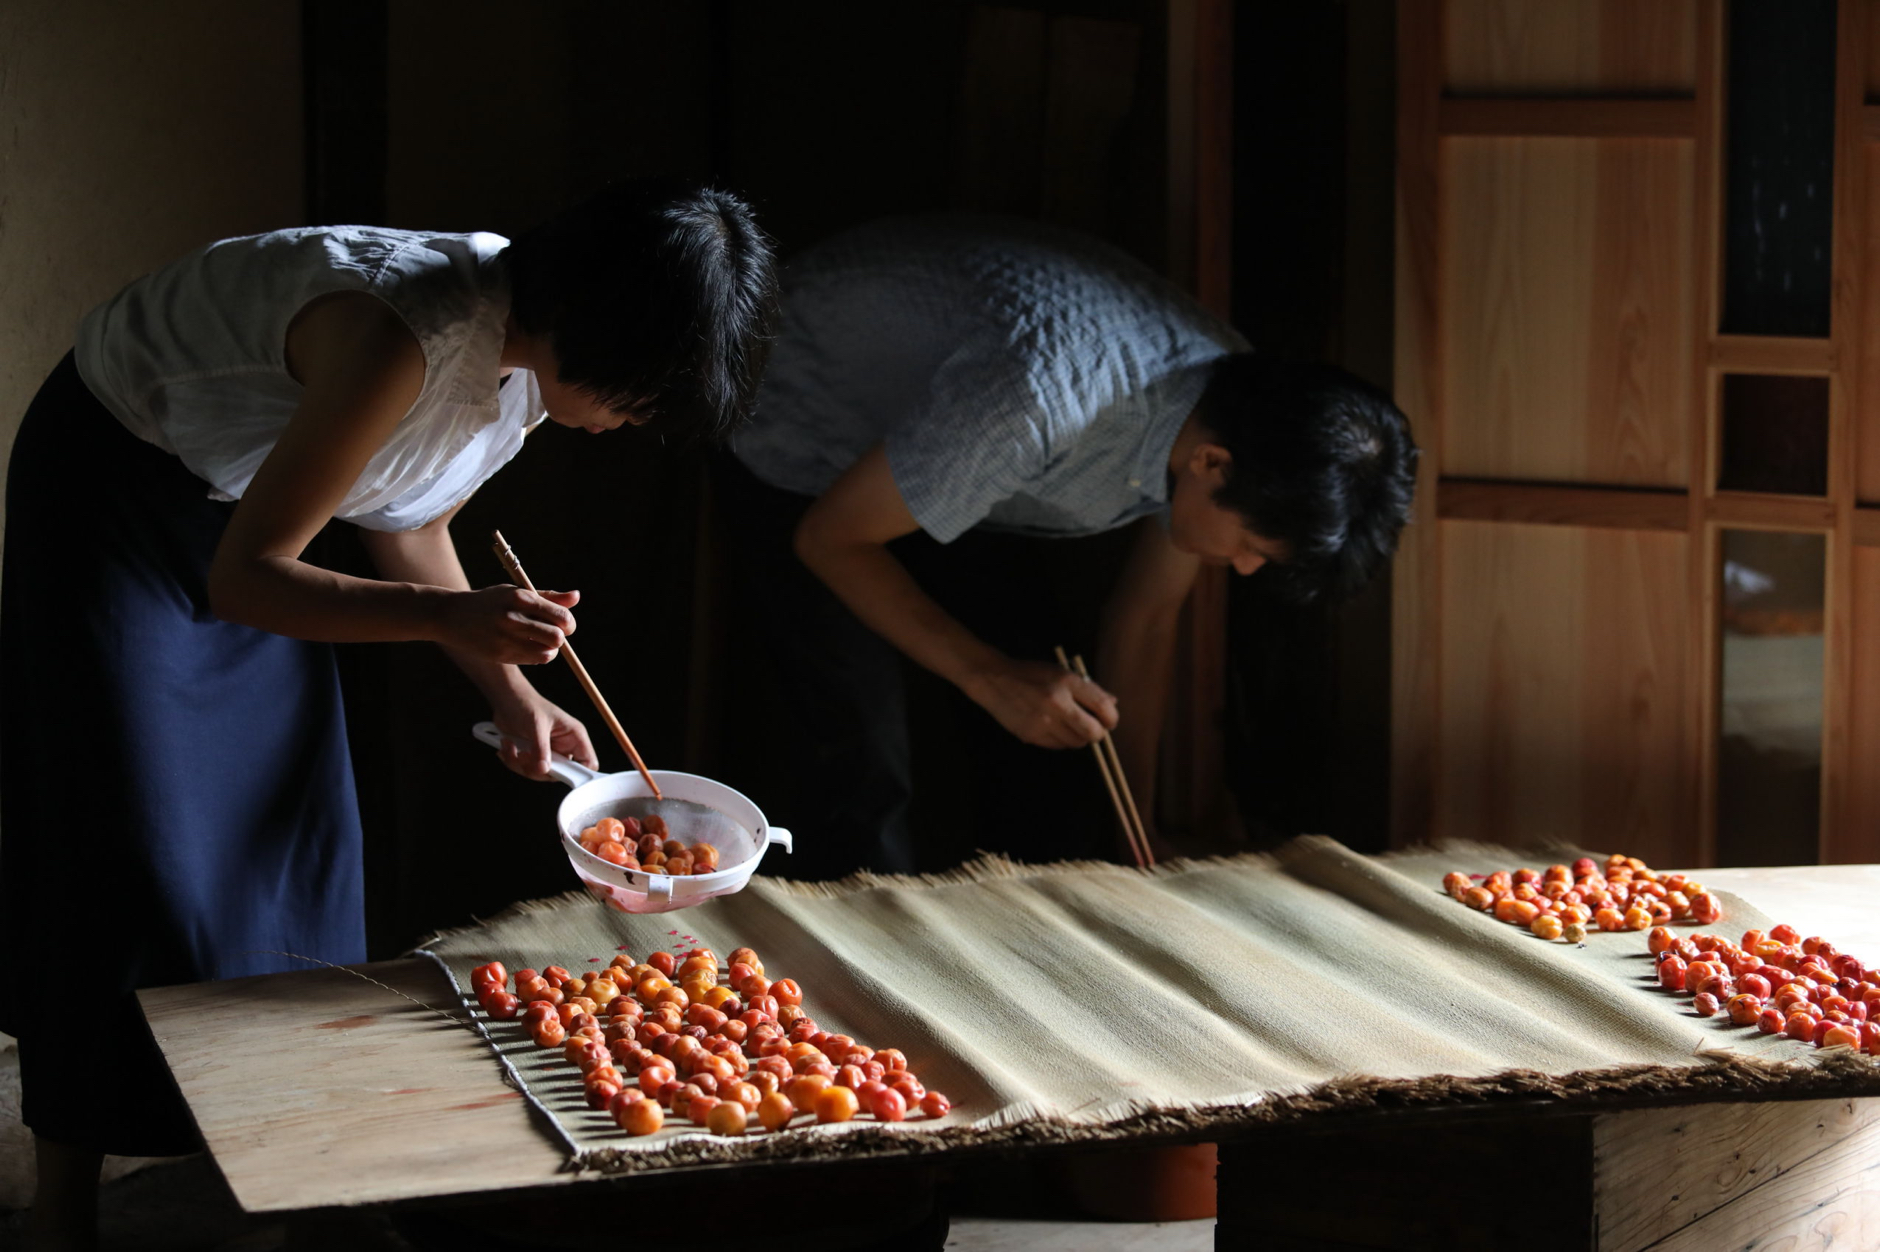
(176, 799)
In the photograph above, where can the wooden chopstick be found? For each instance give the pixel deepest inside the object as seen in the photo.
(514, 567)
(1122, 780)
(1111, 767)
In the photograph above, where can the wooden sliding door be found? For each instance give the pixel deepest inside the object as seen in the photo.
(1633, 610)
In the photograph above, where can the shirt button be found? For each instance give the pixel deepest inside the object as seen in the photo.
(1135, 482)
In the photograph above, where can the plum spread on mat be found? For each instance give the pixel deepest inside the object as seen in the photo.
(716, 1048)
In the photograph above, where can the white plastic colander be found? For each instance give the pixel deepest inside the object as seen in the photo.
(697, 810)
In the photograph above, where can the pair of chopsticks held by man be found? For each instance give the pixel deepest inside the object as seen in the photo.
(925, 375)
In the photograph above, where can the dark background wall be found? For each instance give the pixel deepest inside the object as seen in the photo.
(825, 116)
(1314, 162)
(133, 140)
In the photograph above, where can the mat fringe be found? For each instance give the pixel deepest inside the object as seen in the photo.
(1831, 1074)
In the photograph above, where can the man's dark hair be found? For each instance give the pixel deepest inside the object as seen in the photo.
(658, 297)
(1323, 462)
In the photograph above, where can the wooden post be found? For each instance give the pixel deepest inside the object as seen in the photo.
(1416, 578)
(1843, 838)
(1200, 228)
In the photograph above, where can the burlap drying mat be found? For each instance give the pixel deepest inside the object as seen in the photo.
(1090, 1001)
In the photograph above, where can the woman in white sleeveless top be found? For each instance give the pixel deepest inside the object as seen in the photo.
(175, 784)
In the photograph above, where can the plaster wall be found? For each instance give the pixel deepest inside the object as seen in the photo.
(129, 134)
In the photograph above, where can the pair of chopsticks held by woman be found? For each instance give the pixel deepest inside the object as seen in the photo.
(176, 792)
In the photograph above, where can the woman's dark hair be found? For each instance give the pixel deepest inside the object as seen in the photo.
(658, 297)
(1323, 462)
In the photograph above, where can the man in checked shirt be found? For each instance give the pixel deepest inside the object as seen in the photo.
(946, 374)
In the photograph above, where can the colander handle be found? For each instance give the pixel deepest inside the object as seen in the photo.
(571, 772)
(777, 834)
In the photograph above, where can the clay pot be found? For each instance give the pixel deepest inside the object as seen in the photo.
(1162, 1184)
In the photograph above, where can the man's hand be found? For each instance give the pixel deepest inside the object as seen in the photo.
(1044, 705)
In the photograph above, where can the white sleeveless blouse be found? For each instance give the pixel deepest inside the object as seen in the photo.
(192, 358)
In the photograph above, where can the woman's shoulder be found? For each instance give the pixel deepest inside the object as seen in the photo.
(436, 281)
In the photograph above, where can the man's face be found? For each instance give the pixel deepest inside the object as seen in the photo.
(1218, 535)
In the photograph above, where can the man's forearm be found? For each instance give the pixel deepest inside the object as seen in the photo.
(1136, 654)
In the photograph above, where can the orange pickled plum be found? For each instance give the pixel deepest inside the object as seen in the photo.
(835, 1104)
(774, 1111)
(641, 1117)
(804, 1088)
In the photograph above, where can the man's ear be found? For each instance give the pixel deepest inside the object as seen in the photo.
(1211, 463)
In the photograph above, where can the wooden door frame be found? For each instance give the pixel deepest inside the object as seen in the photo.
(1426, 117)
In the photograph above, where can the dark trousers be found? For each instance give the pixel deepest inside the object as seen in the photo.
(872, 762)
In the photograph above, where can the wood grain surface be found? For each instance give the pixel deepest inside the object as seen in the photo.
(1861, 797)
(315, 1089)
(1548, 504)
(1570, 46)
(1569, 117)
(1739, 1176)
(1565, 310)
(1562, 708)
(1416, 574)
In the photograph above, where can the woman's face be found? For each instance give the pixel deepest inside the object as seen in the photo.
(573, 407)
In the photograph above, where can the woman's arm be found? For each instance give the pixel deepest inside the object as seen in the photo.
(1136, 650)
(361, 369)
(428, 557)
(843, 539)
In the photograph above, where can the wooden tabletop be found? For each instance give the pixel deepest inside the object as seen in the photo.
(317, 1089)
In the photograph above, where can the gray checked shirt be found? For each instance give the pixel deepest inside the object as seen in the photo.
(1024, 378)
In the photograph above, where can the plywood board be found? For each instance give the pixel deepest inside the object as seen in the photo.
(1566, 308)
(1562, 704)
(318, 1089)
(1570, 46)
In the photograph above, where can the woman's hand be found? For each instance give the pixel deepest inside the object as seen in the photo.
(508, 625)
(533, 727)
(1044, 704)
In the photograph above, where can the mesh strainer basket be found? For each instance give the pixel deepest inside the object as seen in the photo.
(697, 810)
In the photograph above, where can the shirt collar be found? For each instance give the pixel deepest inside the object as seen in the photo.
(1170, 400)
